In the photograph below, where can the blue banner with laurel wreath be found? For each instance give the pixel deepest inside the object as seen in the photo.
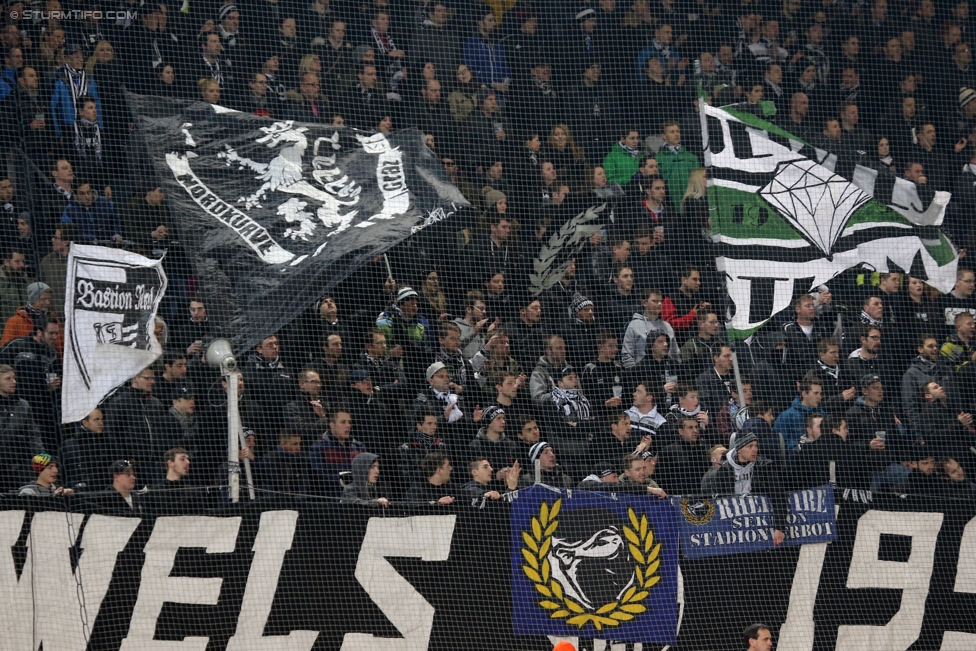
(594, 565)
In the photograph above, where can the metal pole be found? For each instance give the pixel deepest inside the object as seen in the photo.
(738, 380)
(233, 435)
(247, 466)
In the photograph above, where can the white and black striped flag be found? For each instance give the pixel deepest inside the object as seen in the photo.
(784, 221)
(109, 308)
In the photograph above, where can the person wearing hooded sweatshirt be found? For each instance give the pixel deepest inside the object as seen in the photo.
(641, 326)
(364, 489)
(790, 422)
(744, 472)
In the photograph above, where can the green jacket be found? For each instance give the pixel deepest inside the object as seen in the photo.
(13, 293)
(676, 168)
(620, 166)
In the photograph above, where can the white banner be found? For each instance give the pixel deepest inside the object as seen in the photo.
(109, 306)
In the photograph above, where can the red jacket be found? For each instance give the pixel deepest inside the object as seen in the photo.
(669, 314)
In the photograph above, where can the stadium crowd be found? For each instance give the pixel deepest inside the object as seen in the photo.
(618, 373)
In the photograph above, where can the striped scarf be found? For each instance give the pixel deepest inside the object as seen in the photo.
(572, 405)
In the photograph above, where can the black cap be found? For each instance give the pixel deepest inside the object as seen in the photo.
(122, 466)
(184, 392)
(358, 375)
(603, 469)
(870, 379)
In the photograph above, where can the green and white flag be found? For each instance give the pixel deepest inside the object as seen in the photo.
(784, 222)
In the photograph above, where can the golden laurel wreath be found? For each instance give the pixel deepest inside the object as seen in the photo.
(642, 548)
(691, 517)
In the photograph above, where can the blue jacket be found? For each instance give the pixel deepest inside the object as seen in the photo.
(486, 60)
(328, 458)
(8, 81)
(97, 222)
(790, 422)
(63, 109)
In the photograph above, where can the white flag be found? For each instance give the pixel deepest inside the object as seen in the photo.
(109, 306)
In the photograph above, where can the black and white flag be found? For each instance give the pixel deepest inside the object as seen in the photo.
(110, 305)
(275, 213)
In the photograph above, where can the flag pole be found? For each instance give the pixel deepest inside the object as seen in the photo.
(738, 382)
(233, 434)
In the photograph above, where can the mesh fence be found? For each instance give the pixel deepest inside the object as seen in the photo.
(705, 262)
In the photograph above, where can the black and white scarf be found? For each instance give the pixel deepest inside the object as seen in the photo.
(88, 138)
(572, 405)
(743, 474)
(77, 83)
(634, 153)
(544, 87)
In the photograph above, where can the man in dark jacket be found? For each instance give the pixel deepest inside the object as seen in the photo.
(36, 362)
(840, 458)
(133, 415)
(270, 385)
(307, 415)
(86, 455)
(682, 465)
(364, 489)
(436, 488)
(482, 484)
(286, 469)
(744, 472)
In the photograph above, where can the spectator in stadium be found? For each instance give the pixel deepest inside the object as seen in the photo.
(637, 471)
(87, 452)
(364, 488)
(675, 162)
(122, 499)
(180, 425)
(697, 352)
(946, 429)
(189, 335)
(802, 336)
(623, 160)
(286, 470)
(551, 473)
(547, 369)
(309, 104)
(485, 56)
(790, 423)
(602, 379)
(840, 458)
(436, 488)
(36, 309)
(173, 378)
(13, 283)
(757, 637)
(679, 308)
(682, 465)
(54, 266)
(38, 368)
(333, 454)
(715, 384)
(408, 333)
(745, 472)
(175, 495)
(473, 324)
(837, 395)
(640, 328)
(960, 299)
(609, 446)
(761, 425)
(307, 416)
(603, 477)
(47, 474)
(491, 442)
(925, 368)
(72, 83)
(644, 408)
(956, 484)
(866, 360)
(270, 385)
(133, 415)
(481, 484)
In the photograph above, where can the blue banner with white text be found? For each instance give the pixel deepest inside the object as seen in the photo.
(594, 564)
(744, 523)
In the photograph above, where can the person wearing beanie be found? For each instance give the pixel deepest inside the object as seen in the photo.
(491, 443)
(47, 474)
(603, 477)
(408, 333)
(38, 307)
(744, 472)
(581, 331)
(551, 473)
